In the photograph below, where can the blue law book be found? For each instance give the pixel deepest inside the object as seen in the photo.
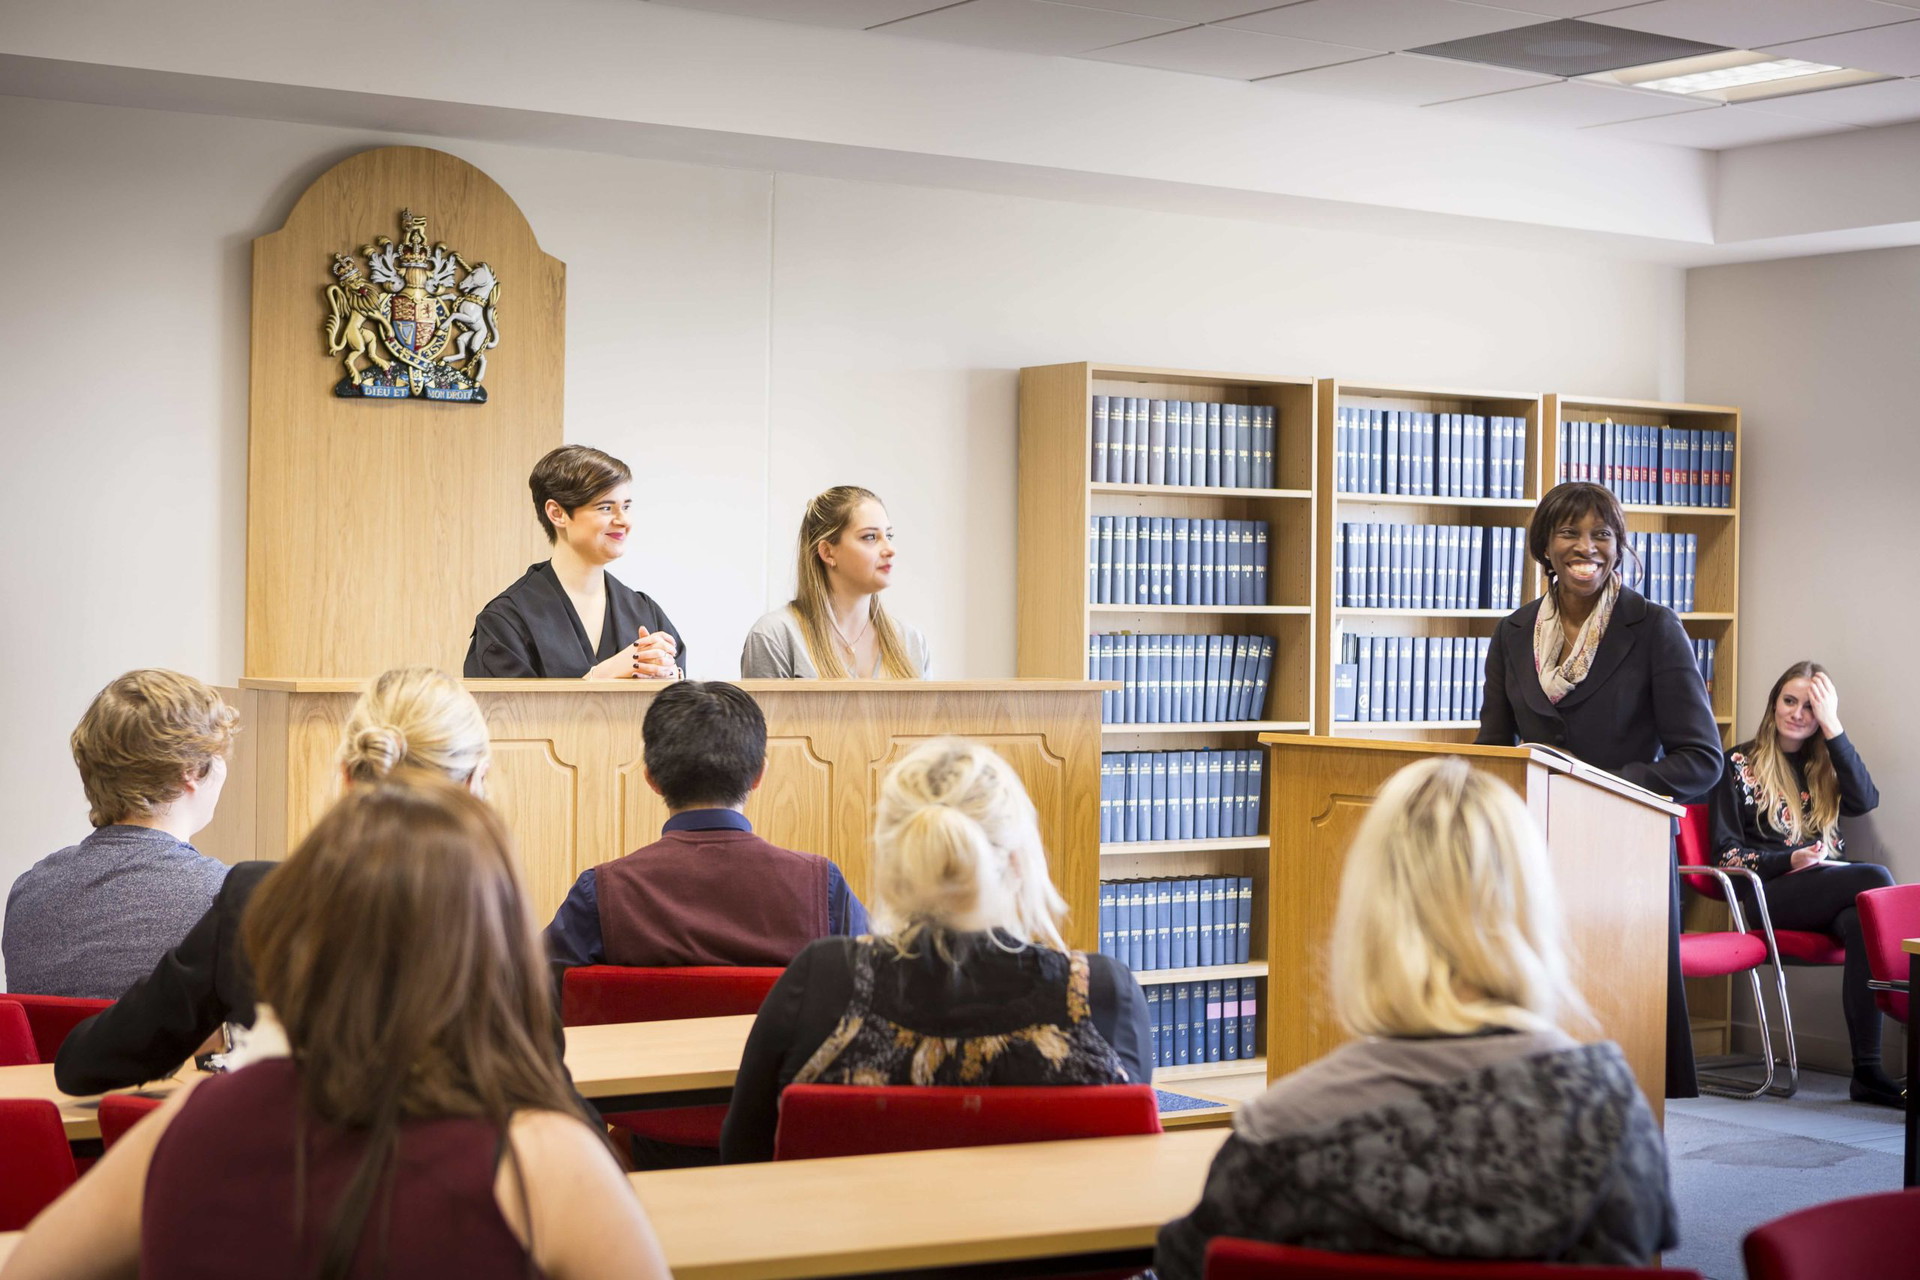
(1184, 765)
(1209, 679)
(1197, 1016)
(1396, 566)
(1403, 668)
(1390, 452)
(1180, 580)
(1230, 446)
(1182, 1024)
(1149, 933)
(1126, 546)
(1212, 448)
(1346, 700)
(1689, 556)
(1123, 427)
(1106, 917)
(1379, 684)
(1156, 442)
(1100, 439)
(1143, 560)
(1446, 441)
(1179, 435)
(1480, 647)
(1368, 586)
(1156, 1029)
(1245, 457)
(1230, 1020)
(1159, 766)
(1269, 442)
(1428, 593)
(1249, 1012)
(1137, 925)
(1123, 923)
(1124, 671)
(1262, 676)
(1343, 433)
(1362, 679)
(1726, 468)
(1216, 1042)
(1476, 557)
(1339, 564)
(1163, 922)
(1387, 654)
(1418, 708)
(1209, 897)
(1260, 529)
(1105, 595)
(1200, 552)
(1196, 702)
(1138, 408)
(1243, 909)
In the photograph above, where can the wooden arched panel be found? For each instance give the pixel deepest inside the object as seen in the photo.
(537, 795)
(794, 806)
(376, 529)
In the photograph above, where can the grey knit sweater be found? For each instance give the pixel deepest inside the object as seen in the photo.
(95, 917)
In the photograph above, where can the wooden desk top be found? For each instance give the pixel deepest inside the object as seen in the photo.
(1911, 946)
(924, 1208)
(617, 1060)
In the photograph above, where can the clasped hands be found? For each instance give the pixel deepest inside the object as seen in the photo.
(650, 657)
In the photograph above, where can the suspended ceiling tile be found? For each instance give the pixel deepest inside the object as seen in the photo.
(1185, 10)
(1750, 24)
(1718, 129)
(1234, 55)
(1407, 79)
(1569, 104)
(1029, 26)
(819, 13)
(1384, 24)
(1893, 50)
(1885, 102)
(1563, 8)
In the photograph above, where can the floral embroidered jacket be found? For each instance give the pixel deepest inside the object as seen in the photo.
(1743, 836)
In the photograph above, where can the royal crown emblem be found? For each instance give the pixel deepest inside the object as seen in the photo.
(421, 325)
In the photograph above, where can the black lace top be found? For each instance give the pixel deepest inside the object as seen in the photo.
(854, 1011)
(1743, 836)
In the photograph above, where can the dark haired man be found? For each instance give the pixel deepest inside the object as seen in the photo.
(708, 891)
(567, 617)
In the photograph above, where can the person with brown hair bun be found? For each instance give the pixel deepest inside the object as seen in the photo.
(1777, 813)
(835, 627)
(1598, 671)
(89, 920)
(567, 617)
(422, 1124)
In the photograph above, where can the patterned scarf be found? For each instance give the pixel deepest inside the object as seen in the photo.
(1557, 676)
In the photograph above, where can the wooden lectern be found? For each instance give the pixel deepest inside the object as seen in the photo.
(1609, 842)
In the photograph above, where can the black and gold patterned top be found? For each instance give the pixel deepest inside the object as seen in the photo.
(855, 1011)
(1743, 836)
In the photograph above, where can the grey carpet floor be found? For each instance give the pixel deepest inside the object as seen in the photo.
(1739, 1164)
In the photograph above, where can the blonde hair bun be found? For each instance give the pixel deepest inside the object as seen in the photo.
(417, 717)
(377, 749)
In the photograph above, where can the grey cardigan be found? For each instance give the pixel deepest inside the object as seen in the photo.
(775, 649)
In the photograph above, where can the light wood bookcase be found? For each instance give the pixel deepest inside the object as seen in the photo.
(1332, 621)
(1059, 499)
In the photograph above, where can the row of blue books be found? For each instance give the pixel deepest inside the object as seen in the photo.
(1197, 1022)
(1181, 679)
(1449, 455)
(1664, 466)
(1703, 653)
(1403, 678)
(1665, 575)
(1176, 924)
(1378, 565)
(1179, 795)
(1182, 442)
(1172, 560)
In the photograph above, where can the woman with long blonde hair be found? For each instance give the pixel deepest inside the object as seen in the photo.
(1461, 1122)
(1777, 812)
(835, 627)
(422, 1123)
(966, 979)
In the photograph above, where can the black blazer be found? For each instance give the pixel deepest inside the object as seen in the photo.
(531, 630)
(1642, 711)
(168, 1014)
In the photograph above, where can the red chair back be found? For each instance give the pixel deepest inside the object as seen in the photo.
(16, 1036)
(1886, 917)
(1230, 1259)
(601, 993)
(819, 1120)
(1797, 946)
(38, 1164)
(1876, 1235)
(1692, 849)
(52, 1017)
(119, 1112)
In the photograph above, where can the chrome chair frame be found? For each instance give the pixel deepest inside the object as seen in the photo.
(1717, 1082)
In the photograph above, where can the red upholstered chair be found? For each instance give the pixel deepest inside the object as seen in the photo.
(1876, 1236)
(119, 1112)
(1743, 950)
(16, 1036)
(819, 1120)
(1887, 916)
(36, 1164)
(602, 993)
(1230, 1259)
(53, 1016)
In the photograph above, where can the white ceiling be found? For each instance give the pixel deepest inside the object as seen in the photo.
(1354, 49)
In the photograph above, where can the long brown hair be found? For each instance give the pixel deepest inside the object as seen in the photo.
(826, 519)
(1562, 505)
(1779, 798)
(396, 948)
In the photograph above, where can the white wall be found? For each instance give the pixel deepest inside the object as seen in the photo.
(1819, 352)
(743, 340)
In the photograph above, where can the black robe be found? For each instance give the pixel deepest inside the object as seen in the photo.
(531, 630)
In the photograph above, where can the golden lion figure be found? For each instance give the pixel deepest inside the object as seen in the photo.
(358, 325)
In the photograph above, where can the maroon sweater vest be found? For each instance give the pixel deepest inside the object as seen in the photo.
(717, 897)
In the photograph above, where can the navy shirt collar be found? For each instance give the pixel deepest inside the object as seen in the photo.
(707, 820)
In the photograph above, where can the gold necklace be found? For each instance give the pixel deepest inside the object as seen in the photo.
(849, 645)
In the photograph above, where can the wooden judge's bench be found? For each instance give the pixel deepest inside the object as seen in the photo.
(567, 768)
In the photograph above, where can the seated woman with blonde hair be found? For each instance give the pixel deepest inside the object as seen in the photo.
(422, 1124)
(965, 981)
(1460, 1123)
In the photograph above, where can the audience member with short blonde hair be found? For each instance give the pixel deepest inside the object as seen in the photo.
(966, 980)
(91, 919)
(422, 1122)
(1508, 1141)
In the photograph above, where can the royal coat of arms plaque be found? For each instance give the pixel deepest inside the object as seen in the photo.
(418, 322)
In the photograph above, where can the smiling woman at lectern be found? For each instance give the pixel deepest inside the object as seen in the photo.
(1595, 669)
(540, 626)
